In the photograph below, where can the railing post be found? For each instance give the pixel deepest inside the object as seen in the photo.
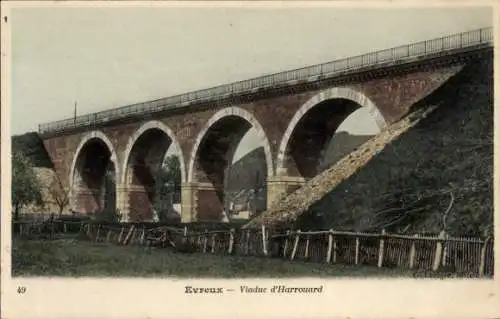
(295, 245)
(381, 249)
(330, 243)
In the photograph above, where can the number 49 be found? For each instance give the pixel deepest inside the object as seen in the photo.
(21, 290)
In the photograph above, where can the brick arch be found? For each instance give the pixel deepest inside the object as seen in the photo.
(329, 94)
(83, 142)
(138, 133)
(230, 111)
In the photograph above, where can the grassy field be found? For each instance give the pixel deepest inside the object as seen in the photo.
(72, 258)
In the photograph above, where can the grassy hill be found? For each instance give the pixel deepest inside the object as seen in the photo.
(442, 162)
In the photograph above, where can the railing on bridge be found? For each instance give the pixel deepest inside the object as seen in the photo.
(310, 73)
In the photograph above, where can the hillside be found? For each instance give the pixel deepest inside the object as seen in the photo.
(440, 156)
(31, 145)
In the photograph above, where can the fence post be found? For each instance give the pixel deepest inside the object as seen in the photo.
(97, 235)
(247, 246)
(143, 235)
(285, 249)
(213, 243)
(295, 245)
(381, 249)
(264, 241)
(330, 242)
(482, 262)
(445, 250)
(185, 239)
(356, 258)
(205, 239)
(129, 234)
(108, 236)
(231, 241)
(413, 251)
(334, 249)
(121, 235)
(439, 251)
(88, 229)
(306, 254)
(52, 230)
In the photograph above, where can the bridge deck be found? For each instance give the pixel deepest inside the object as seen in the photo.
(447, 45)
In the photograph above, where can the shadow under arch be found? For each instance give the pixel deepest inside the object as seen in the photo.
(308, 126)
(143, 158)
(93, 175)
(212, 155)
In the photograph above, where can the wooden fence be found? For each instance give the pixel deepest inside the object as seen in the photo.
(462, 256)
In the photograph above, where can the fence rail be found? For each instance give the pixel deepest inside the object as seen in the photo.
(470, 257)
(444, 44)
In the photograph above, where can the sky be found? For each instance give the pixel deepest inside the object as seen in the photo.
(110, 57)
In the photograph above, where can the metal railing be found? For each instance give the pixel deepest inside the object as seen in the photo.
(310, 73)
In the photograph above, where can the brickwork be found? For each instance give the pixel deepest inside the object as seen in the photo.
(392, 94)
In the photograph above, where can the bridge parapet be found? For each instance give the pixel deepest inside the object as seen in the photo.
(397, 55)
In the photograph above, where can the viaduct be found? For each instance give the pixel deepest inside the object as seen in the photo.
(294, 113)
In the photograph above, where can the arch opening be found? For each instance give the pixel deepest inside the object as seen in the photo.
(231, 163)
(94, 178)
(153, 184)
(324, 130)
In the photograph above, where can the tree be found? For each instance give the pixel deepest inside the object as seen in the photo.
(25, 185)
(59, 194)
(167, 186)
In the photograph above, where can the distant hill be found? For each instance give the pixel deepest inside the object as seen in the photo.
(341, 144)
(246, 181)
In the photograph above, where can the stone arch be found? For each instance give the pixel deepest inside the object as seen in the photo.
(329, 94)
(139, 202)
(138, 133)
(93, 135)
(230, 111)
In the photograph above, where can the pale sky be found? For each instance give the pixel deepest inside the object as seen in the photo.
(110, 57)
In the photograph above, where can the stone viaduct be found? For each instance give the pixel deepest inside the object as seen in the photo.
(294, 113)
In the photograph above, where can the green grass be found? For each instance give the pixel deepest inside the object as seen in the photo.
(72, 258)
